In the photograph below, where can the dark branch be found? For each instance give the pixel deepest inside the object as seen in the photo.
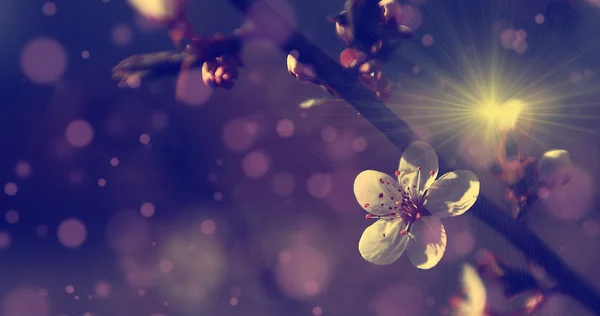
(345, 84)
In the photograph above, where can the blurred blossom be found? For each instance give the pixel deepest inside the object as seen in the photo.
(166, 266)
(284, 184)
(4, 240)
(233, 301)
(303, 272)
(319, 185)
(71, 233)
(403, 223)
(193, 91)
(218, 196)
(23, 169)
(256, 164)
(341, 198)
(79, 133)
(101, 182)
(416, 69)
(43, 60)
(463, 242)
(160, 121)
(122, 35)
(573, 200)
(405, 298)
(474, 298)
(128, 233)
(25, 301)
(49, 8)
(240, 134)
(85, 54)
(11, 188)
(285, 128)
(12, 217)
(595, 3)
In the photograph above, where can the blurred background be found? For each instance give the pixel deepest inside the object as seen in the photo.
(121, 202)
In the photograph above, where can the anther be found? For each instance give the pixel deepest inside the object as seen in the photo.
(418, 215)
(366, 205)
(403, 232)
(368, 216)
(397, 173)
(431, 173)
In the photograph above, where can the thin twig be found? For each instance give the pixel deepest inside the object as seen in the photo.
(346, 85)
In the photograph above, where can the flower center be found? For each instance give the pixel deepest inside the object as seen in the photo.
(410, 207)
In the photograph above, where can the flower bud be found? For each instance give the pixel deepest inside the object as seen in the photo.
(555, 168)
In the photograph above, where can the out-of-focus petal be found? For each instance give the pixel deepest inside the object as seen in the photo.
(430, 242)
(376, 192)
(453, 193)
(555, 168)
(382, 243)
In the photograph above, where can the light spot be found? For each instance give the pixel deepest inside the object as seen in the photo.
(218, 196)
(233, 301)
(359, 144)
(239, 134)
(5, 240)
(539, 19)
(329, 134)
(266, 14)
(208, 227)
(43, 60)
(147, 210)
(319, 185)
(114, 161)
(101, 182)
(23, 169)
(25, 301)
(49, 8)
(11, 189)
(255, 164)
(591, 228)
(463, 242)
(70, 289)
(79, 133)
(317, 311)
(85, 54)
(12, 217)
(427, 40)
(285, 128)
(102, 289)
(71, 233)
(122, 35)
(166, 266)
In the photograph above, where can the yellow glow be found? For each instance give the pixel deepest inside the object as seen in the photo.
(503, 116)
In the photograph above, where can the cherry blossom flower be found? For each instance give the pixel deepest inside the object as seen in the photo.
(409, 210)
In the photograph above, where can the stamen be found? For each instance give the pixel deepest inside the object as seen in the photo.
(367, 205)
(431, 173)
(368, 216)
(418, 216)
(397, 173)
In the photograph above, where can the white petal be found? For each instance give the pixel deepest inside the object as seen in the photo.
(376, 192)
(382, 243)
(430, 242)
(556, 168)
(418, 155)
(475, 292)
(453, 193)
